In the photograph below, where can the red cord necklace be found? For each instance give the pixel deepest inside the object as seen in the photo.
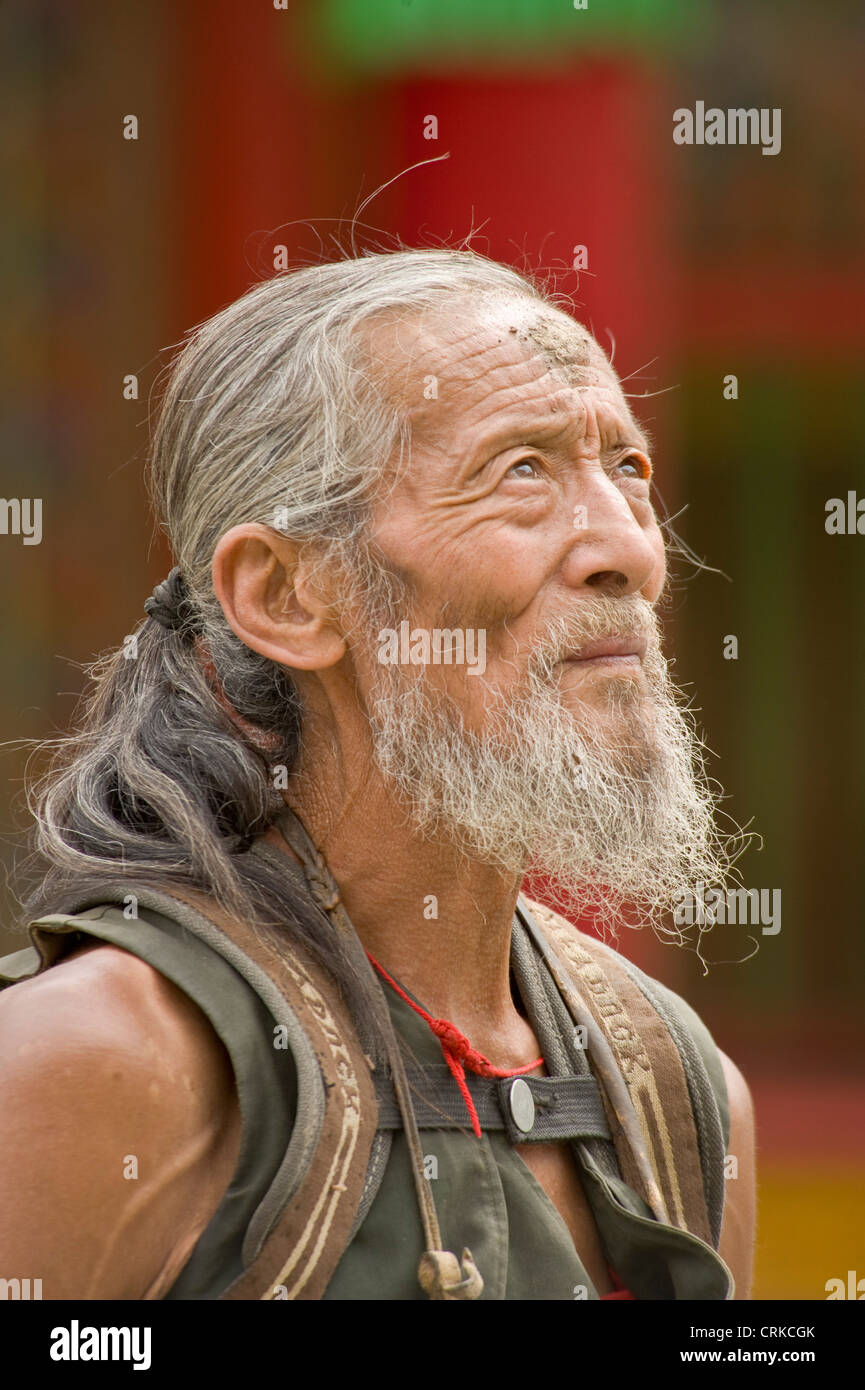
(457, 1050)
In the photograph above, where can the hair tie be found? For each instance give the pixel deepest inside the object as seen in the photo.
(171, 606)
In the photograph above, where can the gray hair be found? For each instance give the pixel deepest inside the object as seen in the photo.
(271, 414)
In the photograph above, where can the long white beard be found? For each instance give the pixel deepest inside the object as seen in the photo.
(609, 799)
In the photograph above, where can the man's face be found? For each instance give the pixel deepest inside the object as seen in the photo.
(523, 518)
(527, 493)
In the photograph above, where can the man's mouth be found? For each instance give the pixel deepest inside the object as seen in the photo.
(611, 650)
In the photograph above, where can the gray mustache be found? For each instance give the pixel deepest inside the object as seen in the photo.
(594, 619)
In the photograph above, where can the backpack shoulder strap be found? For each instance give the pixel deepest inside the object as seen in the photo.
(308, 1236)
(301, 1227)
(680, 1104)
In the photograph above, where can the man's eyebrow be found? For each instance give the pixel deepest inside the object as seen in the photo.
(522, 432)
(635, 435)
(531, 429)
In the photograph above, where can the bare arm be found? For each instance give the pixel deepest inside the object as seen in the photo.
(738, 1227)
(109, 1070)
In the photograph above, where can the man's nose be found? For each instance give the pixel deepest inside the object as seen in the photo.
(610, 552)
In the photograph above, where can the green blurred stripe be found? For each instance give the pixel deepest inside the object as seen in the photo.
(376, 34)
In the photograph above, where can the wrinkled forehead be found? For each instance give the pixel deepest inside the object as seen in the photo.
(441, 366)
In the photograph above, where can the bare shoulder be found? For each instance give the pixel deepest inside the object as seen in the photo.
(739, 1221)
(120, 1126)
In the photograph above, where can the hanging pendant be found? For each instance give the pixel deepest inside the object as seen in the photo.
(442, 1277)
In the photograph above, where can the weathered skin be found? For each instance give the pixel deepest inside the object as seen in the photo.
(103, 1058)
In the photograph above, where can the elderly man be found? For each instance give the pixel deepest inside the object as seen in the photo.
(291, 1030)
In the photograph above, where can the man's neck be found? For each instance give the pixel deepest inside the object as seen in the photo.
(435, 919)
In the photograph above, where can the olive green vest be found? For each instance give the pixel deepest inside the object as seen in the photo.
(486, 1197)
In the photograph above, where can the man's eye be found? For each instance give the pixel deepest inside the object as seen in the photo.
(637, 467)
(524, 463)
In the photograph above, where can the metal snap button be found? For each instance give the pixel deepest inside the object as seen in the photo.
(522, 1104)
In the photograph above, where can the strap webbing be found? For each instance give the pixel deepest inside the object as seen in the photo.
(565, 1107)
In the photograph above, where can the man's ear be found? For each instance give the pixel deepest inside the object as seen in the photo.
(270, 601)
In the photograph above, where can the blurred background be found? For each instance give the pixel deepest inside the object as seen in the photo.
(262, 127)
